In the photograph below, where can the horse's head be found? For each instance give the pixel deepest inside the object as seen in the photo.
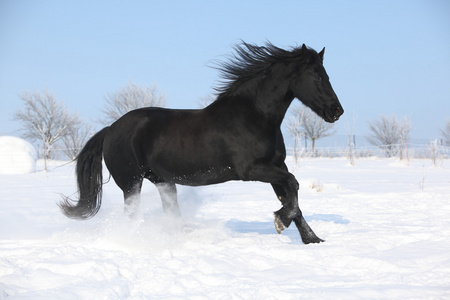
(311, 85)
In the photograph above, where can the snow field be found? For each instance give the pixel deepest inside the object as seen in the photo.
(386, 226)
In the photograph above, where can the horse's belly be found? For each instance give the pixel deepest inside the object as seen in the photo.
(204, 178)
(193, 174)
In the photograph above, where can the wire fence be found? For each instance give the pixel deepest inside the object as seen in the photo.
(430, 150)
(419, 151)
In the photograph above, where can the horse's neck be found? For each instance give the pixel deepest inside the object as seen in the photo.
(271, 107)
(273, 103)
(270, 100)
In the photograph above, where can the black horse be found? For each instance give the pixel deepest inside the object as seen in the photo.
(237, 137)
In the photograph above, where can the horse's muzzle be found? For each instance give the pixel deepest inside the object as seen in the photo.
(334, 113)
(338, 111)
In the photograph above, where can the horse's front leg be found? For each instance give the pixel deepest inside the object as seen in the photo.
(289, 209)
(287, 186)
(307, 234)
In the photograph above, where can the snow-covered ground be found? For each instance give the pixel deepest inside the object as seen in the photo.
(386, 226)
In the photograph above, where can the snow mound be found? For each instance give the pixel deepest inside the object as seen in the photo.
(17, 156)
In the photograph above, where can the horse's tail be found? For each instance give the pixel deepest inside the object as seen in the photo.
(89, 180)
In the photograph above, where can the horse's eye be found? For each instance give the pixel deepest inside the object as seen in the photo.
(317, 78)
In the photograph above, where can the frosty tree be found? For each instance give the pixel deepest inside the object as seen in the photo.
(131, 97)
(75, 138)
(44, 119)
(446, 134)
(305, 122)
(389, 134)
(294, 128)
(351, 141)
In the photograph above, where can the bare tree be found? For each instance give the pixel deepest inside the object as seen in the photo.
(404, 130)
(389, 134)
(44, 119)
(294, 128)
(77, 135)
(131, 97)
(446, 133)
(435, 151)
(311, 125)
(351, 141)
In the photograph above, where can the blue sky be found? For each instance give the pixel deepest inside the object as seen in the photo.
(383, 57)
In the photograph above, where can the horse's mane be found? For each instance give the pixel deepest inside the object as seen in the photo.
(247, 62)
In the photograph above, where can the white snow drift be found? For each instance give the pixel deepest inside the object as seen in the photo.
(17, 156)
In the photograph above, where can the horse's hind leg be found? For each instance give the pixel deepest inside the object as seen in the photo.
(168, 193)
(132, 196)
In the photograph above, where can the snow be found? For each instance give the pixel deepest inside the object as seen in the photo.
(17, 156)
(386, 226)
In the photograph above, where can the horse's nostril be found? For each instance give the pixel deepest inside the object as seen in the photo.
(338, 111)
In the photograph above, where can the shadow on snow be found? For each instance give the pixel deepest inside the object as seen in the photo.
(265, 228)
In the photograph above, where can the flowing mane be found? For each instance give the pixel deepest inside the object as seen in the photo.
(248, 62)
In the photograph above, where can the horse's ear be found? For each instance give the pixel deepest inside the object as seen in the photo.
(304, 49)
(321, 53)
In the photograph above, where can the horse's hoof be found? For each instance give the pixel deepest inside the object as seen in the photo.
(315, 240)
(279, 226)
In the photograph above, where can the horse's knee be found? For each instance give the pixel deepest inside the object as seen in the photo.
(285, 215)
(293, 183)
